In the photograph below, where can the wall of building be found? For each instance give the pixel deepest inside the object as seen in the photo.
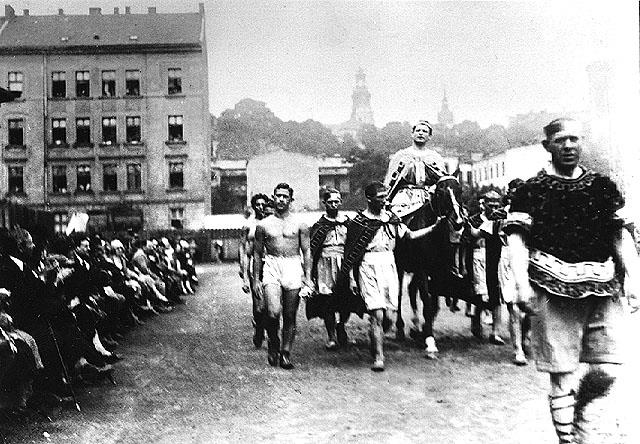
(153, 107)
(520, 162)
(300, 171)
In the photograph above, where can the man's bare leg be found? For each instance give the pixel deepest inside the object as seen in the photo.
(496, 315)
(341, 332)
(515, 330)
(290, 302)
(377, 337)
(330, 325)
(273, 306)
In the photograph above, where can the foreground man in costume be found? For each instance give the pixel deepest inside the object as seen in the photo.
(571, 254)
(278, 272)
(370, 265)
(328, 235)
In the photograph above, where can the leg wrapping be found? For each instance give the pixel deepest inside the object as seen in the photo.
(562, 412)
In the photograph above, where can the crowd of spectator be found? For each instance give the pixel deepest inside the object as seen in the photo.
(65, 306)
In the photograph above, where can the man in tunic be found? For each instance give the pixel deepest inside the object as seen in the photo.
(485, 227)
(412, 171)
(258, 203)
(412, 175)
(370, 265)
(573, 260)
(328, 235)
(278, 272)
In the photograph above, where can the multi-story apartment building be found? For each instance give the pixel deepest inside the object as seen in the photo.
(112, 118)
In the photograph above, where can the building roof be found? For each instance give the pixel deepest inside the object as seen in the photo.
(99, 31)
(226, 164)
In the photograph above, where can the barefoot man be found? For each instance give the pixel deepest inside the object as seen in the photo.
(279, 240)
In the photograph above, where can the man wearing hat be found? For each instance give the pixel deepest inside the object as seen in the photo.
(576, 269)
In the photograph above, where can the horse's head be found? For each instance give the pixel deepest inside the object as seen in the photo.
(446, 196)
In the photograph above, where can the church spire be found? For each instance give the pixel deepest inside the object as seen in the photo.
(445, 116)
(361, 111)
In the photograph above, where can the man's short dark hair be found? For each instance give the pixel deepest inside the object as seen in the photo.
(515, 183)
(328, 192)
(374, 188)
(556, 125)
(258, 196)
(284, 186)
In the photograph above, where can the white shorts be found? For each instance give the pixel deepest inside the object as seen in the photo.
(505, 277)
(285, 272)
(480, 271)
(378, 281)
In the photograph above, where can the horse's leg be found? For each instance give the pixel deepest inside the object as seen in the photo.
(430, 307)
(399, 322)
(413, 288)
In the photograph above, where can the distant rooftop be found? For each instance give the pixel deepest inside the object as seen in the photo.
(97, 30)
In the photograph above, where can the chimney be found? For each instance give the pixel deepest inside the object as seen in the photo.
(95, 11)
(152, 9)
(116, 11)
(9, 12)
(127, 9)
(60, 11)
(25, 12)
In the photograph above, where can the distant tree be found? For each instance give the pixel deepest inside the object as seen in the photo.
(368, 165)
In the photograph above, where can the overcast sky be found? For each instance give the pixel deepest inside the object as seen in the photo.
(495, 59)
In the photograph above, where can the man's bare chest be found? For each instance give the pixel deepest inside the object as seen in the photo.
(282, 229)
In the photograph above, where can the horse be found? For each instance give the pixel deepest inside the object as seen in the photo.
(438, 261)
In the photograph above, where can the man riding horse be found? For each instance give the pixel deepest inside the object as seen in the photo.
(420, 190)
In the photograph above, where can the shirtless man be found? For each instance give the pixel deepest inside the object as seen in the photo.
(278, 242)
(258, 203)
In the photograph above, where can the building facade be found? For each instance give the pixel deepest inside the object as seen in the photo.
(499, 169)
(235, 181)
(112, 118)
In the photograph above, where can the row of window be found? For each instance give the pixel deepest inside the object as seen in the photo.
(491, 172)
(176, 219)
(15, 83)
(83, 177)
(83, 130)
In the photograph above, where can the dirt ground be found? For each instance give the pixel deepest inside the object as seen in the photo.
(193, 376)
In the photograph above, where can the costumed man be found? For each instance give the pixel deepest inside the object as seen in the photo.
(485, 226)
(411, 178)
(574, 260)
(327, 236)
(519, 322)
(258, 203)
(412, 171)
(369, 264)
(279, 273)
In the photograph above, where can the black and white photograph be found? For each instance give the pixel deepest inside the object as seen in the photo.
(319, 221)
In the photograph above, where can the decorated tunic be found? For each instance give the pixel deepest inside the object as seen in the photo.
(572, 226)
(327, 239)
(411, 172)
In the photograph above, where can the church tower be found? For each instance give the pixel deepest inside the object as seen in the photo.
(445, 116)
(361, 111)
